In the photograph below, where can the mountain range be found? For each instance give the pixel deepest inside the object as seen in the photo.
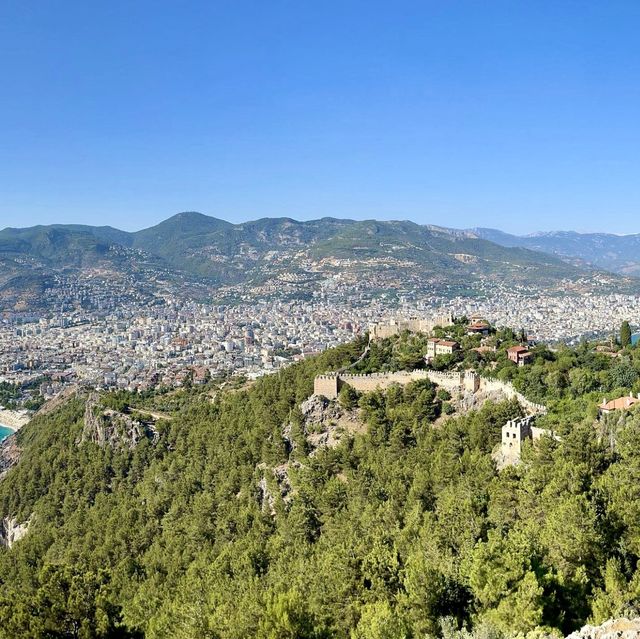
(615, 253)
(273, 254)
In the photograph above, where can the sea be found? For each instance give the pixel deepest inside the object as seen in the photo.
(4, 432)
(635, 338)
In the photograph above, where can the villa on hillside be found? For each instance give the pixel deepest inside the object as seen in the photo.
(437, 346)
(622, 403)
(519, 355)
(478, 328)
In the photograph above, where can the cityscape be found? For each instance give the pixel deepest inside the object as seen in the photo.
(136, 348)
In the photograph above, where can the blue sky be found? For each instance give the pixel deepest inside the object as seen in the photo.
(523, 116)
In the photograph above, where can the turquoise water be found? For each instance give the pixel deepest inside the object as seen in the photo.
(4, 432)
(635, 338)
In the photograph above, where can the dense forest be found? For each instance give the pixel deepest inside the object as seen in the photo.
(228, 523)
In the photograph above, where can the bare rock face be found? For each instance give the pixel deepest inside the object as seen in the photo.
(282, 483)
(325, 422)
(9, 454)
(54, 403)
(11, 531)
(612, 629)
(112, 428)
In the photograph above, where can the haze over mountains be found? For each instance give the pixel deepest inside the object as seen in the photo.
(191, 248)
(615, 253)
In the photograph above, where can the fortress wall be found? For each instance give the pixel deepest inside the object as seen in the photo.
(495, 385)
(537, 433)
(329, 385)
(367, 383)
(381, 330)
(446, 380)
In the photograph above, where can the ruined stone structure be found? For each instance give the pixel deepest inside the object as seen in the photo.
(514, 433)
(381, 330)
(489, 384)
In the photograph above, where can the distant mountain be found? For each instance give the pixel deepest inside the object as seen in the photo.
(615, 253)
(274, 254)
(229, 253)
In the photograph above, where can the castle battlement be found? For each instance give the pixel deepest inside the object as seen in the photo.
(329, 384)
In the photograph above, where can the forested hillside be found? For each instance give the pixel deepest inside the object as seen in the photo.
(236, 517)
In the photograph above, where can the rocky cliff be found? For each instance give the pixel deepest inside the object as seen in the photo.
(12, 531)
(9, 454)
(107, 427)
(612, 629)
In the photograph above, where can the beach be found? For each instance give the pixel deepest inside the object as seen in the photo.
(14, 419)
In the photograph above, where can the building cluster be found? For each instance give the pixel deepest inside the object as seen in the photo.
(552, 317)
(114, 335)
(137, 349)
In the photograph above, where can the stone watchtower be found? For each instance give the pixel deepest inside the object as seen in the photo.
(327, 385)
(471, 381)
(514, 432)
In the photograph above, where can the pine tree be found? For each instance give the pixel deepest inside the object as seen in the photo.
(625, 334)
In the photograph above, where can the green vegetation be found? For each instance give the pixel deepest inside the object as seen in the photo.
(14, 396)
(625, 334)
(405, 530)
(9, 394)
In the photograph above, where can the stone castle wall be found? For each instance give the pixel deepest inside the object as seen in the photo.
(326, 385)
(370, 382)
(329, 385)
(514, 432)
(488, 384)
(382, 330)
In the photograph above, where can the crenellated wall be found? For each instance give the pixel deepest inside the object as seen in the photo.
(514, 432)
(382, 330)
(369, 382)
(488, 384)
(330, 383)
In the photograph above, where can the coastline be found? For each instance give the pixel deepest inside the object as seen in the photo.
(14, 420)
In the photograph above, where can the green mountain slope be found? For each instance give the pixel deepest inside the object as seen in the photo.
(191, 247)
(230, 252)
(235, 518)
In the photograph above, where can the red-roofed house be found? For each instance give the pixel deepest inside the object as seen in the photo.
(478, 328)
(622, 403)
(519, 355)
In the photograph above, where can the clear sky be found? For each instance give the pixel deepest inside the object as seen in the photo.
(523, 116)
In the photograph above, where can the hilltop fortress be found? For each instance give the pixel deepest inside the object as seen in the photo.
(330, 384)
(514, 433)
(381, 330)
(465, 382)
